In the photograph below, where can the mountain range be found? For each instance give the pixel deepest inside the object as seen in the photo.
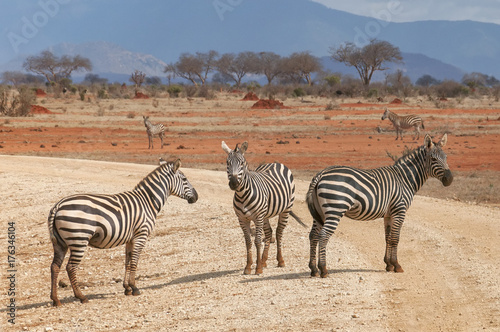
(147, 36)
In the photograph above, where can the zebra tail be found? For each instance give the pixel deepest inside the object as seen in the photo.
(50, 221)
(298, 219)
(311, 197)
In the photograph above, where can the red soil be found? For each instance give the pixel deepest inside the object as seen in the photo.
(268, 104)
(250, 96)
(40, 93)
(36, 109)
(140, 95)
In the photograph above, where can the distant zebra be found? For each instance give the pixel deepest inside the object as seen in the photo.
(404, 122)
(107, 221)
(154, 129)
(370, 194)
(267, 192)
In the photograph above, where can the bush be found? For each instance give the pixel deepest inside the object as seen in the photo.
(16, 103)
(299, 92)
(174, 90)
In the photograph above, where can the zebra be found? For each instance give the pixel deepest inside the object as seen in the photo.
(107, 221)
(267, 192)
(404, 122)
(154, 129)
(370, 194)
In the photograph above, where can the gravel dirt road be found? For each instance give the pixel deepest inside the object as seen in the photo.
(190, 272)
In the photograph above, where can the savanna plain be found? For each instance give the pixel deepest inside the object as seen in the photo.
(191, 270)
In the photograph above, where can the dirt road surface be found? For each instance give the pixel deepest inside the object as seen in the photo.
(190, 272)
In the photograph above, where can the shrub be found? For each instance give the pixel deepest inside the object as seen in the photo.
(299, 92)
(174, 90)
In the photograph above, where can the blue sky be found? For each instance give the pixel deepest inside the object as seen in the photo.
(421, 10)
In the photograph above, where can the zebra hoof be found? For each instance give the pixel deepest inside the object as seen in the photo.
(84, 300)
(128, 291)
(389, 268)
(258, 271)
(247, 271)
(136, 292)
(398, 269)
(56, 303)
(281, 264)
(314, 274)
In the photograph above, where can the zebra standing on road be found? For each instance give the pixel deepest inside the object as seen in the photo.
(267, 192)
(107, 221)
(154, 129)
(404, 122)
(370, 194)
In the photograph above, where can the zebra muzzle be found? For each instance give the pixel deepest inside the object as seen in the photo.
(233, 182)
(193, 198)
(447, 178)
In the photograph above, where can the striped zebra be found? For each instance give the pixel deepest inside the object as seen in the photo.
(154, 129)
(107, 221)
(370, 194)
(267, 192)
(404, 122)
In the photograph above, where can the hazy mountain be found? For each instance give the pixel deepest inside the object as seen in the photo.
(154, 33)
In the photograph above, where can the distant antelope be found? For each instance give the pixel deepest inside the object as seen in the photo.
(404, 122)
(154, 129)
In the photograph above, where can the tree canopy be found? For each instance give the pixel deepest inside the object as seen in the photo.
(54, 68)
(367, 59)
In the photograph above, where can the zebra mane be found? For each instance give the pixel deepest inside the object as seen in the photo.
(407, 153)
(157, 170)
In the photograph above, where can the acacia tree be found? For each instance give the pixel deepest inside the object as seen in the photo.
(270, 65)
(235, 67)
(55, 69)
(137, 78)
(368, 59)
(194, 68)
(300, 66)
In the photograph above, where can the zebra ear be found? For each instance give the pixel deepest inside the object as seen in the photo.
(176, 165)
(244, 147)
(428, 141)
(443, 140)
(226, 148)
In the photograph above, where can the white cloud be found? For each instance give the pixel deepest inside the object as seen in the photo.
(410, 10)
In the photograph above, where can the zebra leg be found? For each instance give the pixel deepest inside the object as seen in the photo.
(268, 233)
(137, 244)
(258, 244)
(71, 268)
(245, 226)
(282, 221)
(128, 258)
(392, 231)
(387, 260)
(313, 240)
(59, 253)
(161, 138)
(328, 229)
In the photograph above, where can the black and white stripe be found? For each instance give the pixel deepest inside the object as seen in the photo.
(154, 129)
(267, 192)
(107, 221)
(404, 122)
(385, 192)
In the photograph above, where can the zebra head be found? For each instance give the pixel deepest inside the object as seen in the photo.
(436, 160)
(180, 185)
(236, 164)
(386, 114)
(146, 120)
